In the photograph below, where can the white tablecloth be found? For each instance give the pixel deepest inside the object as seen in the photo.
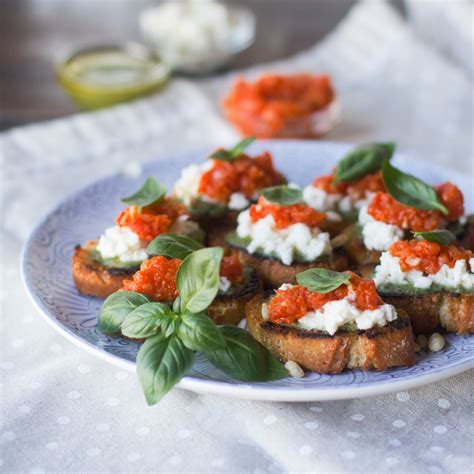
(66, 411)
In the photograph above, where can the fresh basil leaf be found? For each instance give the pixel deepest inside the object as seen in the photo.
(170, 325)
(151, 192)
(145, 320)
(244, 358)
(322, 280)
(173, 246)
(409, 190)
(199, 333)
(238, 149)
(197, 279)
(116, 308)
(283, 195)
(365, 159)
(161, 363)
(232, 154)
(439, 236)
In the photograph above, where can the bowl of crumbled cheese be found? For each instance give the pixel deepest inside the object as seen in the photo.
(197, 36)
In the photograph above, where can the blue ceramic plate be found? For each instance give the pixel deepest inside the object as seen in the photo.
(47, 274)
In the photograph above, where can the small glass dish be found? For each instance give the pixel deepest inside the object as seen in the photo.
(197, 37)
(101, 76)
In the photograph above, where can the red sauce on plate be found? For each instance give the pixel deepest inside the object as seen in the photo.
(244, 175)
(286, 215)
(427, 257)
(287, 306)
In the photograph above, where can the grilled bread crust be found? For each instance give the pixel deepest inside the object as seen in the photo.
(274, 273)
(376, 348)
(452, 311)
(93, 279)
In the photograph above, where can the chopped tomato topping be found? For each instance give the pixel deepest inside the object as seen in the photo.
(151, 221)
(385, 208)
(452, 197)
(270, 106)
(156, 278)
(285, 216)
(427, 257)
(357, 189)
(231, 268)
(287, 306)
(244, 175)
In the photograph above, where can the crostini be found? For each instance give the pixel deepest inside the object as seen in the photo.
(409, 205)
(432, 280)
(355, 179)
(226, 183)
(100, 266)
(281, 236)
(156, 278)
(331, 321)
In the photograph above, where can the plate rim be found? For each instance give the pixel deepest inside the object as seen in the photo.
(238, 390)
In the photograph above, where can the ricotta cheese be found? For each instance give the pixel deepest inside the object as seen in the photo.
(295, 240)
(238, 201)
(389, 272)
(122, 243)
(322, 201)
(378, 235)
(187, 186)
(335, 314)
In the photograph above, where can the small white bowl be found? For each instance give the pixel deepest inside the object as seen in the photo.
(192, 55)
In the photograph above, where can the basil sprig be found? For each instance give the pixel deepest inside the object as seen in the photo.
(232, 154)
(116, 308)
(174, 333)
(150, 193)
(409, 190)
(365, 159)
(322, 280)
(173, 246)
(283, 195)
(439, 236)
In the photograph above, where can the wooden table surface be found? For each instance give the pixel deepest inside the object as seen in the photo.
(37, 32)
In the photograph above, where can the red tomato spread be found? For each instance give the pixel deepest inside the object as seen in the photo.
(357, 189)
(287, 306)
(285, 216)
(153, 220)
(427, 257)
(243, 175)
(273, 105)
(385, 208)
(452, 197)
(157, 276)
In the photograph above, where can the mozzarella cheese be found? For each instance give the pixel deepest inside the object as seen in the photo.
(122, 243)
(187, 187)
(297, 239)
(378, 235)
(459, 276)
(335, 314)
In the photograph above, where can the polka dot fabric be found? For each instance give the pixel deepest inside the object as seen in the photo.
(64, 411)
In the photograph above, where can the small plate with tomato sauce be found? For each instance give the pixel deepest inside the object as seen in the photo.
(46, 268)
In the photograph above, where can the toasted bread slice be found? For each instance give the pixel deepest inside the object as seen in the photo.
(452, 311)
(354, 246)
(377, 348)
(92, 278)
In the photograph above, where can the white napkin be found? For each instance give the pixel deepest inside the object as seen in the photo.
(66, 411)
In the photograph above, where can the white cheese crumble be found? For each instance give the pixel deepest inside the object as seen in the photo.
(121, 242)
(187, 186)
(297, 239)
(322, 201)
(183, 226)
(335, 314)
(238, 201)
(389, 272)
(224, 284)
(378, 235)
